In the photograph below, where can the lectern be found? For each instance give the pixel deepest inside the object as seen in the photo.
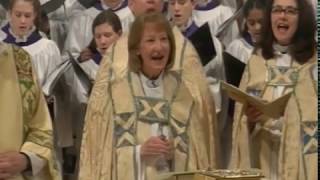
(223, 174)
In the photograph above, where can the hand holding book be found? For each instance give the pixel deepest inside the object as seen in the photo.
(272, 109)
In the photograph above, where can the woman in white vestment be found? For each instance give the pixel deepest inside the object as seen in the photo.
(21, 31)
(3, 12)
(106, 29)
(243, 47)
(59, 19)
(80, 33)
(213, 12)
(231, 3)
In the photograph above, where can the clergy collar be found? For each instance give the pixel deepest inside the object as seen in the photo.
(151, 83)
(206, 6)
(102, 6)
(280, 49)
(189, 29)
(32, 36)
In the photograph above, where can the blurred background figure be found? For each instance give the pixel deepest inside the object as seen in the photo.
(60, 13)
(106, 29)
(138, 7)
(234, 4)
(80, 33)
(242, 47)
(22, 30)
(216, 14)
(3, 16)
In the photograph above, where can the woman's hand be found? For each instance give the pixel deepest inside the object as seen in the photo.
(11, 164)
(253, 114)
(85, 55)
(156, 147)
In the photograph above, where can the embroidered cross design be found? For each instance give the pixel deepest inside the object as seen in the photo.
(156, 109)
(124, 129)
(281, 75)
(153, 110)
(125, 140)
(310, 137)
(180, 134)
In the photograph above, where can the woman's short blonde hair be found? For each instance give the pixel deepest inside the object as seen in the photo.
(135, 36)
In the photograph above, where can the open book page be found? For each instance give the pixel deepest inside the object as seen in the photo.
(71, 64)
(234, 69)
(225, 25)
(81, 74)
(203, 43)
(54, 77)
(273, 109)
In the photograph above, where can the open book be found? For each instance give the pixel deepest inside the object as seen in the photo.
(273, 109)
(234, 69)
(54, 77)
(56, 74)
(226, 24)
(203, 43)
(50, 6)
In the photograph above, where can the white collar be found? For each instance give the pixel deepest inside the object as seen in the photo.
(105, 7)
(23, 38)
(155, 83)
(280, 49)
